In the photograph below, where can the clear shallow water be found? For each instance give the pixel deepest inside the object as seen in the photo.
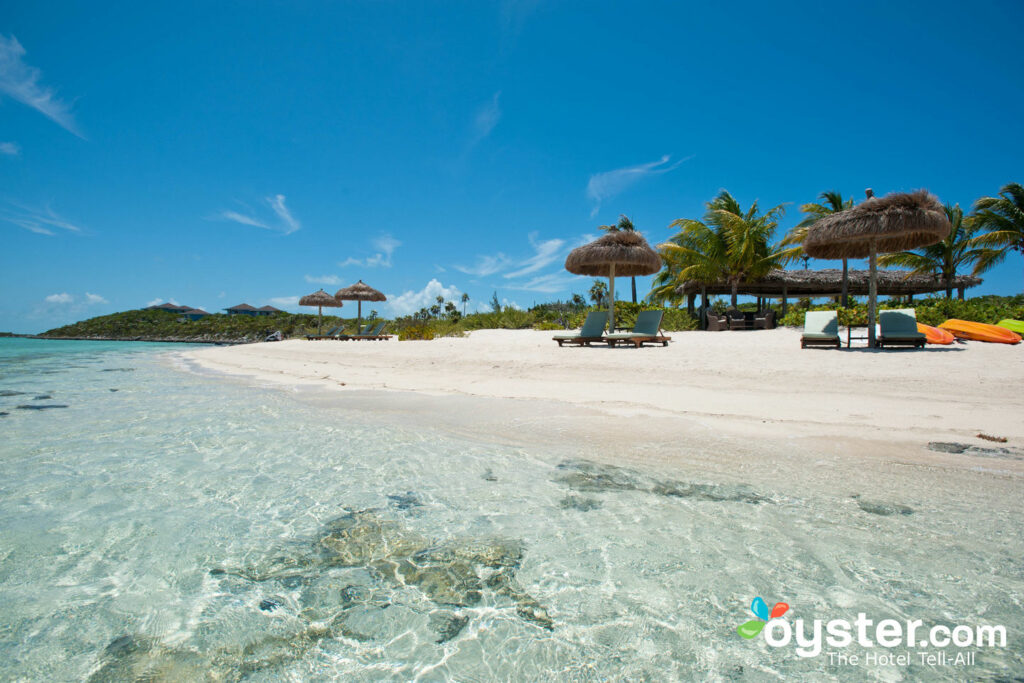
(182, 528)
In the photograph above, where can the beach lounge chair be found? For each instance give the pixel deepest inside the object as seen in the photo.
(717, 323)
(647, 330)
(821, 328)
(372, 333)
(331, 334)
(899, 328)
(592, 331)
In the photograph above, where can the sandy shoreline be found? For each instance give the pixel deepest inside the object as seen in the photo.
(756, 382)
(729, 406)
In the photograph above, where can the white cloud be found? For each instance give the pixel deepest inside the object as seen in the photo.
(324, 280)
(544, 253)
(21, 82)
(386, 246)
(94, 299)
(277, 204)
(410, 301)
(607, 184)
(485, 265)
(244, 220)
(285, 223)
(10, 149)
(487, 117)
(550, 283)
(38, 221)
(284, 301)
(62, 298)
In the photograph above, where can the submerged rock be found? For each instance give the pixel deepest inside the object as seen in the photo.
(8, 392)
(589, 477)
(447, 626)
(118, 370)
(43, 397)
(970, 449)
(47, 406)
(357, 562)
(884, 509)
(405, 501)
(579, 503)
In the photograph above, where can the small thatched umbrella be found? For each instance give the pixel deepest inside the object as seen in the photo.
(320, 298)
(618, 253)
(896, 222)
(360, 292)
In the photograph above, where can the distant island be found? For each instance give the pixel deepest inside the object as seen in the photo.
(156, 325)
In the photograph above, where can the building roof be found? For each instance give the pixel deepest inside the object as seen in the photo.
(828, 282)
(168, 307)
(241, 307)
(271, 309)
(194, 311)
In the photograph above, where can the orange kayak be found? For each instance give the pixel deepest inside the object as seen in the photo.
(934, 335)
(965, 329)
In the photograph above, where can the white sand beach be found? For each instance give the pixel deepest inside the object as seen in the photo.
(758, 382)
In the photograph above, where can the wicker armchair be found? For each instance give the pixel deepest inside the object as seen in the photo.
(765, 320)
(716, 323)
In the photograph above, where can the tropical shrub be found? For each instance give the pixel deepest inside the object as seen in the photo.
(416, 333)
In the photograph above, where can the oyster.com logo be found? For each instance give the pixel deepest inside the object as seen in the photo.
(752, 628)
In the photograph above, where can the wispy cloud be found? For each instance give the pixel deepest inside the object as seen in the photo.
(95, 299)
(160, 300)
(545, 252)
(552, 282)
(385, 246)
(285, 223)
(485, 265)
(10, 149)
(324, 280)
(487, 117)
(62, 298)
(20, 81)
(412, 301)
(40, 221)
(608, 184)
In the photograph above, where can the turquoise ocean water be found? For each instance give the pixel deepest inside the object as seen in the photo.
(158, 524)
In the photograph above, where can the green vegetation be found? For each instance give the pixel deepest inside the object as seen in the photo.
(955, 253)
(150, 325)
(931, 311)
(832, 202)
(1002, 219)
(729, 244)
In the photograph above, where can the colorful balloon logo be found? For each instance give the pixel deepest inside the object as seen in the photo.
(759, 607)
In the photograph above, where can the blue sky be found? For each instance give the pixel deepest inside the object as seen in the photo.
(215, 153)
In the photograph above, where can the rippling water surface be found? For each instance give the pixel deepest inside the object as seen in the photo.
(158, 524)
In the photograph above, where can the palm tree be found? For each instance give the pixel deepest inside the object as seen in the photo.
(1003, 219)
(598, 292)
(832, 202)
(625, 225)
(465, 300)
(952, 254)
(729, 244)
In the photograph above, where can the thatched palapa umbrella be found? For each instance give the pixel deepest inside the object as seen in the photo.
(896, 222)
(360, 292)
(320, 298)
(618, 253)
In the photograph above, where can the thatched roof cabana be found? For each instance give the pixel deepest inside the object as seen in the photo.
(829, 282)
(617, 253)
(628, 252)
(359, 292)
(896, 222)
(320, 298)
